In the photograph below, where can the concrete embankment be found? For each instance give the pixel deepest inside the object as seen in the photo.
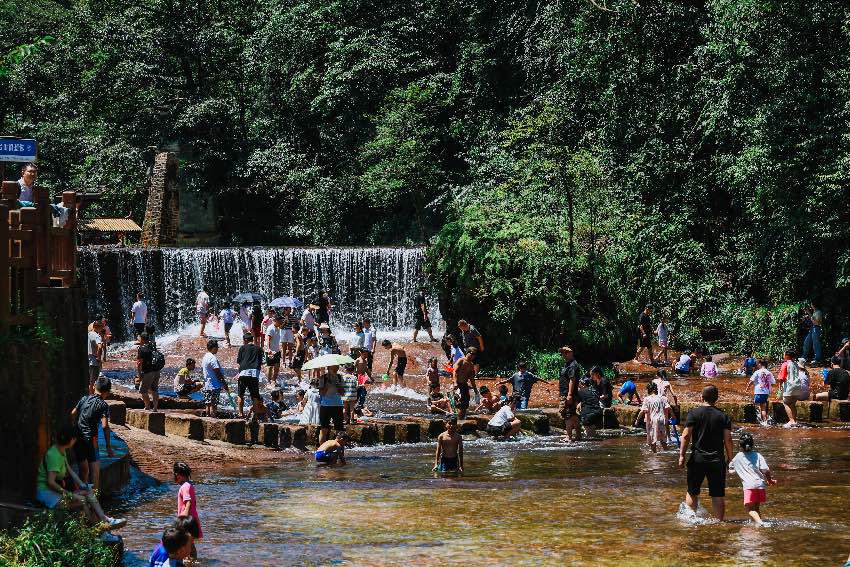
(421, 429)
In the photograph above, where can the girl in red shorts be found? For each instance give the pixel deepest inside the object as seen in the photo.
(754, 473)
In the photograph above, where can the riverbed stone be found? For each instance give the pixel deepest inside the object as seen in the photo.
(408, 432)
(117, 412)
(227, 430)
(149, 421)
(555, 419)
(182, 425)
(626, 414)
(839, 410)
(363, 434)
(534, 421)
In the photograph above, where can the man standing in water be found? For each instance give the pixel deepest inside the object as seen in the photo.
(568, 389)
(472, 338)
(398, 354)
(330, 407)
(370, 341)
(464, 372)
(645, 333)
(421, 316)
(202, 307)
(274, 337)
(708, 430)
(139, 315)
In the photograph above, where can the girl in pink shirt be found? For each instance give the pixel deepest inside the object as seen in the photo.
(186, 502)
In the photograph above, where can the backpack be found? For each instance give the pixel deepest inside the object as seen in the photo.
(157, 359)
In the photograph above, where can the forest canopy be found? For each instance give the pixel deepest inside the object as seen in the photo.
(566, 162)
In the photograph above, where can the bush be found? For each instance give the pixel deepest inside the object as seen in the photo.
(55, 539)
(767, 331)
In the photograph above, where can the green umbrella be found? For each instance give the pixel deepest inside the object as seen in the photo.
(328, 360)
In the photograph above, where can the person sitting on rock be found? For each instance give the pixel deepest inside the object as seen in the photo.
(505, 424)
(437, 403)
(489, 402)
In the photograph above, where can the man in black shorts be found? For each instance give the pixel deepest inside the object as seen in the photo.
(464, 373)
(709, 431)
(568, 390)
(250, 361)
(645, 334)
(420, 314)
(92, 411)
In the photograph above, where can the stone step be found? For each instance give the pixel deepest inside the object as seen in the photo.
(117, 412)
(183, 425)
(149, 421)
(227, 430)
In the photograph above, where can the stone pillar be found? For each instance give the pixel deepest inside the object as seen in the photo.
(162, 214)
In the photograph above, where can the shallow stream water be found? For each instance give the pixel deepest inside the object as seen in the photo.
(528, 502)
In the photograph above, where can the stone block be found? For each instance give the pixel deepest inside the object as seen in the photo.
(117, 412)
(188, 426)
(810, 411)
(739, 412)
(292, 436)
(839, 410)
(313, 436)
(149, 421)
(555, 419)
(430, 426)
(464, 426)
(626, 414)
(609, 419)
(386, 433)
(408, 432)
(269, 434)
(777, 411)
(535, 422)
(363, 434)
(227, 430)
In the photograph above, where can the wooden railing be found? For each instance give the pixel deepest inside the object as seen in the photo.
(33, 253)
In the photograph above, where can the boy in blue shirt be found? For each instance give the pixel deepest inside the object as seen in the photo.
(176, 545)
(749, 364)
(628, 389)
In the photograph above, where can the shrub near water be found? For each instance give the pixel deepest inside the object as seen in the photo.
(51, 539)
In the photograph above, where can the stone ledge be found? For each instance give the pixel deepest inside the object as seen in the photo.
(182, 425)
(149, 421)
(117, 412)
(227, 430)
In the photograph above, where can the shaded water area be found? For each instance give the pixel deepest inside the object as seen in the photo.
(529, 502)
(379, 283)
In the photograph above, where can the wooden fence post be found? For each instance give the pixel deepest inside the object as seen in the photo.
(5, 290)
(41, 233)
(29, 267)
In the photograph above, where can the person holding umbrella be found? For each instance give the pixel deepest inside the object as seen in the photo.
(331, 388)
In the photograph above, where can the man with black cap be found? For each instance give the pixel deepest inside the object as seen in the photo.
(645, 334)
(420, 314)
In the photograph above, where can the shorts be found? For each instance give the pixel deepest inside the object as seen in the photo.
(361, 397)
(251, 384)
(86, 450)
(48, 497)
(646, 341)
(94, 372)
(369, 358)
(716, 473)
(662, 344)
(288, 337)
(185, 390)
(298, 360)
(211, 397)
(327, 414)
(760, 398)
(274, 359)
(400, 366)
(322, 316)
(567, 410)
(326, 457)
(448, 464)
(421, 322)
(755, 495)
(227, 327)
(150, 381)
(139, 328)
(500, 430)
(202, 316)
(790, 400)
(463, 403)
(594, 419)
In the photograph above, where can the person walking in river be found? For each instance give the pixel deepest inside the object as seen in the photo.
(227, 316)
(96, 346)
(274, 340)
(790, 387)
(300, 355)
(324, 307)
(656, 411)
(838, 381)
(250, 361)
(568, 390)
(92, 412)
(663, 338)
(645, 334)
(288, 347)
(187, 502)
(471, 338)
(139, 315)
(708, 432)
(420, 316)
(590, 408)
(754, 473)
(464, 375)
(331, 388)
(399, 355)
(202, 308)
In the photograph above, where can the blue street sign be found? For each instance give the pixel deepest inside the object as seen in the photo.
(17, 149)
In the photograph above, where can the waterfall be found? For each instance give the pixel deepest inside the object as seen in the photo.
(379, 283)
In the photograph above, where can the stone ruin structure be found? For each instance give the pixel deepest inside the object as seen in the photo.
(162, 213)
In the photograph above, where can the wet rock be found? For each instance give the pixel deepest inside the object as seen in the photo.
(117, 412)
(408, 432)
(810, 411)
(464, 426)
(739, 412)
(777, 411)
(227, 430)
(482, 420)
(313, 436)
(363, 434)
(839, 410)
(292, 436)
(149, 421)
(609, 419)
(533, 421)
(268, 434)
(626, 414)
(182, 425)
(555, 419)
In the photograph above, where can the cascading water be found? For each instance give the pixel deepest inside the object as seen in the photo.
(379, 283)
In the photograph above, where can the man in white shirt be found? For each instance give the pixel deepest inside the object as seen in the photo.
(505, 424)
(139, 315)
(202, 307)
(370, 340)
(95, 351)
(308, 318)
(274, 336)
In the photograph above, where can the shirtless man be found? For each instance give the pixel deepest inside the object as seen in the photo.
(398, 354)
(449, 457)
(464, 372)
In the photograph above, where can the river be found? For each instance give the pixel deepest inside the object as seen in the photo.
(528, 502)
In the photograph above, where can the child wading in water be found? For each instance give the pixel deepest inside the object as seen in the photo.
(656, 408)
(449, 457)
(187, 504)
(762, 380)
(754, 473)
(332, 450)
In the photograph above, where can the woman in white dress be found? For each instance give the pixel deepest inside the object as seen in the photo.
(310, 415)
(657, 411)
